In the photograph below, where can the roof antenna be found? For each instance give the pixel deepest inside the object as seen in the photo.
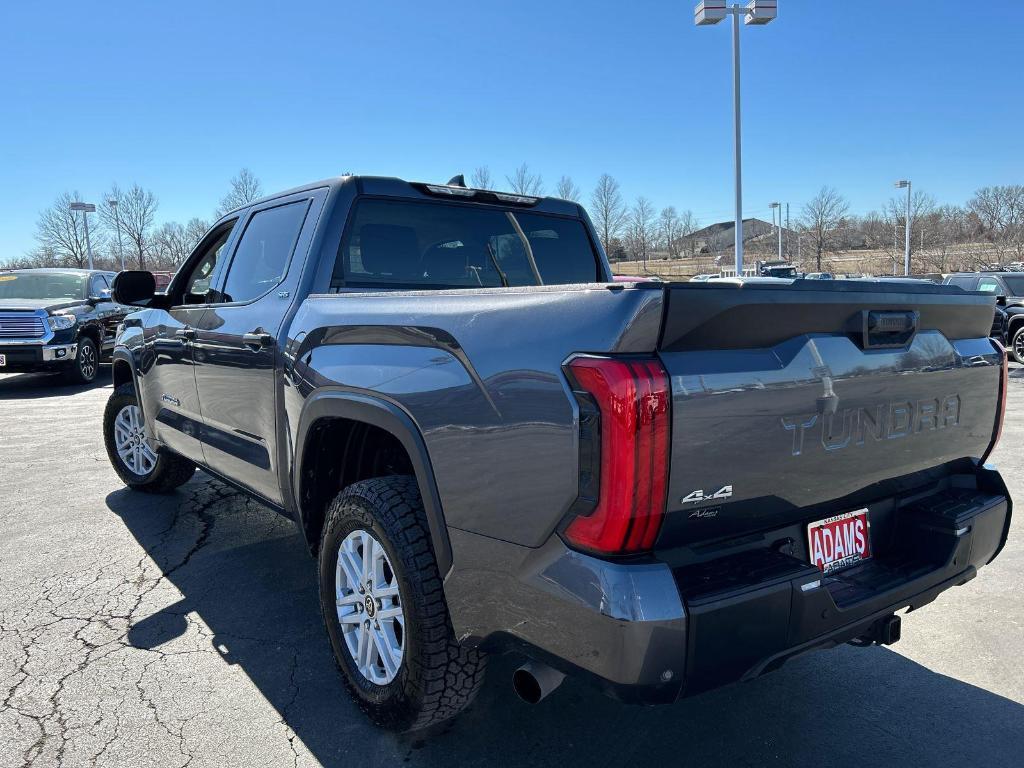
(458, 180)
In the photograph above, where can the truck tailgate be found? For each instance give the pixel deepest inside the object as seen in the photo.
(793, 402)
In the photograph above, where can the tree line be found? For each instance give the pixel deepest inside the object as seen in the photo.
(125, 223)
(986, 230)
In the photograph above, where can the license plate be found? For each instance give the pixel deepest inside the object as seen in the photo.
(3, 360)
(839, 541)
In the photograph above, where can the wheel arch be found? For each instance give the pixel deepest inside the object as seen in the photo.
(344, 408)
(121, 368)
(92, 330)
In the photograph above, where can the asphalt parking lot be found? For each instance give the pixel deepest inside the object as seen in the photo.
(184, 630)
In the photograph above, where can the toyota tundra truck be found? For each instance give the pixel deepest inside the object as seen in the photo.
(491, 446)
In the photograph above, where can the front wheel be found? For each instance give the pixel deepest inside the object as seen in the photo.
(1017, 343)
(131, 452)
(86, 363)
(383, 604)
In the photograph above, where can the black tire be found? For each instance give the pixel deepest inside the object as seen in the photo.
(86, 364)
(1017, 343)
(170, 471)
(438, 677)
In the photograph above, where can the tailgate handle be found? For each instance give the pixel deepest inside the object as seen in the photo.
(883, 329)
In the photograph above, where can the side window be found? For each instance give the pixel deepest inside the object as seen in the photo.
(197, 285)
(263, 252)
(988, 285)
(97, 286)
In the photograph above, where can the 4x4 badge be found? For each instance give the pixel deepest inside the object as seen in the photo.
(698, 496)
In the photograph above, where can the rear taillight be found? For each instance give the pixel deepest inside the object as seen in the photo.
(627, 469)
(1004, 384)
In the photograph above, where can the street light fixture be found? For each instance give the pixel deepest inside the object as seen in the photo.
(755, 12)
(906, 248)
(86, 209)
(773, 206)
(112, 202)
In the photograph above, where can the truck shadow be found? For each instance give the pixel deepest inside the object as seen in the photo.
(244, 571)
(31, 386)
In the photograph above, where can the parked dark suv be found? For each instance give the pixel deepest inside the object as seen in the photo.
(57, 320)
(1010, 316)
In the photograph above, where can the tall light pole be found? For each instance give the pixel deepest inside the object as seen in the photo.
(112, 202)
(906, 248)
(710, 12)
(86, 209)
(773, 206)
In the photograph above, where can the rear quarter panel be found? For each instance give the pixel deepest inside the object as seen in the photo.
(479, 373)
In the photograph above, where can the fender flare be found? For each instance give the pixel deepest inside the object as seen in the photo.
(1013, 321)
(122, 355)
(346, 404)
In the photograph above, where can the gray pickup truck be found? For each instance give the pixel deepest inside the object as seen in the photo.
(491, 446)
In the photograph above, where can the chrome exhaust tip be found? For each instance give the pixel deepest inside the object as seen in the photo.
(533, 681)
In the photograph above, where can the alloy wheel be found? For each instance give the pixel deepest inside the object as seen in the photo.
(369, 607)
(87, 361)
(1018, 345)
(131, 443)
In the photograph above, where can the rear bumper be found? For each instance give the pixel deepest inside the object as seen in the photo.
(650, 633)
(29, 358)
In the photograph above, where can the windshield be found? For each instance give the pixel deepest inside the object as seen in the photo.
(42, 285)
(1015, 283)
(398, 243)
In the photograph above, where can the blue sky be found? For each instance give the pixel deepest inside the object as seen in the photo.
(178, 96)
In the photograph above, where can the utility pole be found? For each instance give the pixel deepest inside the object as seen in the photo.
(86, 209)
(906, 251)
(755, 12)
(773, 206)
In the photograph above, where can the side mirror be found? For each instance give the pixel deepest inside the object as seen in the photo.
(104, 295)
(1001, 301)
(134, 287)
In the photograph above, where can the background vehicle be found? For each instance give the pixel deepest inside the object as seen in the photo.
(1010, 285)
(701, 278)
(57, 320)
(489, 445)
(777, 269)
(818, 276)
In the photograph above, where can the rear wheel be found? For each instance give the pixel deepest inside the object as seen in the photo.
(130, 450)
(86, 363)
(1017, 343)
(383, 604)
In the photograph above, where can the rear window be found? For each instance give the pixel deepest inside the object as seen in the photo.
(966, 282)
(1015, 283)
(396, 243)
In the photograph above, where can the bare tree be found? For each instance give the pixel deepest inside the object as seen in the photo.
(169, 245)
(245, 188)
(136, 211)
(822, 218)
(194, 231)
(607, 209)
(523, 182)
(668, 231)
(61, 233)
(481, 178)
(567, 189)
(1000, 211)
(642, 228)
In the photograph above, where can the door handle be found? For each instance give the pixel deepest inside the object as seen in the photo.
(186, 333)
(257, 339)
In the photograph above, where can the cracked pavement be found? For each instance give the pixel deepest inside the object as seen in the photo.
(185, 631)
